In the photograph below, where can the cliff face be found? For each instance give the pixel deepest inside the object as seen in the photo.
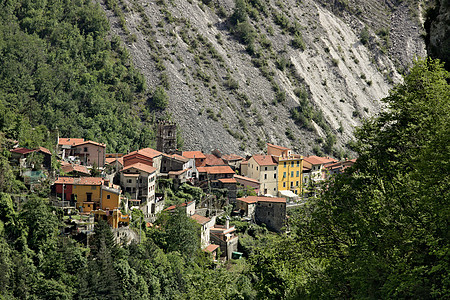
(311, 70)
(438, 32)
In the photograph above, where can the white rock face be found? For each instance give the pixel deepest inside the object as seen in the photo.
(344, 78)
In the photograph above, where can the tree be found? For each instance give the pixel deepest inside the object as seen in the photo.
(160, 98)
(381, 229)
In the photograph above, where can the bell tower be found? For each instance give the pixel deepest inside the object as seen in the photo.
(166, 138)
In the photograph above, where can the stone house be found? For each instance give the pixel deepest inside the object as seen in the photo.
(147, 156)
(225, 236)
(272, 212)
(264, 169)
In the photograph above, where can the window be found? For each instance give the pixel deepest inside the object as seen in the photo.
(275, 168)
(284, 184)
(265, 168)
(256, 168)
(128, 180)
(284, 174)
(298, 164)
(265, 176)
(292, 183)
(85, 149)
(275, 175)
(298, 173)
(284, 164)
(292, 164)
(292, 173)
(93, 187)
(108, 196)
(296, 183)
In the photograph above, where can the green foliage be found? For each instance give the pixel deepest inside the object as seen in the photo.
(364, 35)
(382, 228)
(160, 99)
(60, 70)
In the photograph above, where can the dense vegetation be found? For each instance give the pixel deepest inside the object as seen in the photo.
(61, 71)
(378, 231)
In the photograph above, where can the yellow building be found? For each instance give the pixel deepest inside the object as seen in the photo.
(290, 173)
(95, 195)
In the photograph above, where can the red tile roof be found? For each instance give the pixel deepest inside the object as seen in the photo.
(254, 199)
(211, 248)
(243, 178)
(200, 219)
(212, 160)
(178, 172)
(264, 160)
(80, 181)
(228, 180)
(232, 157)
(179, 205)
(148, 152)
(69, 141)
(216, 170)
(21, 150)
(90, 142)
(316, 160)
(192, 154)
(45, 150)
(141, 167)
(110, 160)
(67, 168)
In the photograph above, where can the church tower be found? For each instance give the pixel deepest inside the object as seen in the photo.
(166, 138)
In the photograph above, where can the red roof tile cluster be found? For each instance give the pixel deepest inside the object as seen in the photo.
(26, 150)
(21, 150)
(243, 178)
(69, 141)
(211, 248)
(200, 219)
(80, 181)
(110, 160)
(265, 160)
(216, 170)
(175, 206)
(316, 160)
(193, 154)
(228, 180)
(141, 167)
(232, 157)
(148, 152)
(68, 168)
(90, 142)
(212, 160)
(254, 199)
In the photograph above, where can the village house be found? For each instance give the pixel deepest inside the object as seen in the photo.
(338, 167)
(233, 160)
(317, 165)
(290, 171)
(197, 156)
(278, 150)
(23, 157)
(92, 195)
(225, 236)
(247, 183)
(65, 146)
(147, 156)
(189, 207)
(205, 223)
(90, 153)
(75, 170)
(114, 161)
(139, 180)
(214, 173)
(270, 211)
(264, 169)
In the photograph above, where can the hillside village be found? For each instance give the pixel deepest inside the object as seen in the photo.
(93, 185)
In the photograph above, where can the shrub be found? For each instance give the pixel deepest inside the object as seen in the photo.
(160, 99)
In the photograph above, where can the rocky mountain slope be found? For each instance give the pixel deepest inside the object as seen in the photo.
(300, 74)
